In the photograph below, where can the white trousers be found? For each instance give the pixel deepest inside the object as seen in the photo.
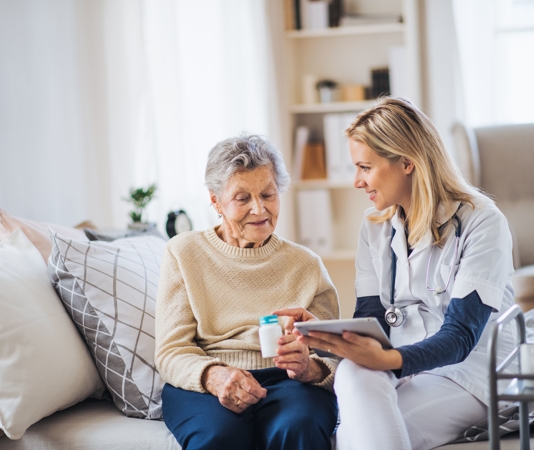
(379, 412)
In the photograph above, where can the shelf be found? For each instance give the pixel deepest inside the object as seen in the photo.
(331, 107)
(322, 184)
(339, 255)
(375, 28)
(515, 391)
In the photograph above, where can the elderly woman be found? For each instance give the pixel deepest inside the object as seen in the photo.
(214, 285)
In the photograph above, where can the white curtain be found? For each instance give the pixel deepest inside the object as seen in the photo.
(126, 93)
(43, 142)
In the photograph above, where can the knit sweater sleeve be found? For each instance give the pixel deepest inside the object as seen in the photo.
(179, 359)
(325, 306)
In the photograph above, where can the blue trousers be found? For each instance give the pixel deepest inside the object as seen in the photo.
(293, 416)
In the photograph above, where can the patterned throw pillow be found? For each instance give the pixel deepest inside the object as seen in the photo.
(96, 235)
(508, 420)
(109, 290)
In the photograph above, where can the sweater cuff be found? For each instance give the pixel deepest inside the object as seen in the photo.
(328, 381)
(196, 385)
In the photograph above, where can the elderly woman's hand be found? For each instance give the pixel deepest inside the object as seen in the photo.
(294, 357)
(236, 389)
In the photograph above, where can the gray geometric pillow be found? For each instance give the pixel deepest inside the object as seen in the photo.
(508, 420)
(95, 235)
(109, 290)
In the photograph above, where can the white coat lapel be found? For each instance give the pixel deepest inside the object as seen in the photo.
(398, 243)
(399, 246)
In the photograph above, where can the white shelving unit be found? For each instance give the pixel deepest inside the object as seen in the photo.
(348, 31)
(321, 108)
(346, 55)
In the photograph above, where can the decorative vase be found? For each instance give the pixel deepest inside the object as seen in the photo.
(139, 226)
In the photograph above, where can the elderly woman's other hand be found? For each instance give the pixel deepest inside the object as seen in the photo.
(295, 315)
(236, 389)
(294, 357)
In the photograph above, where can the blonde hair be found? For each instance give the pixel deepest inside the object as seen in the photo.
(395, 128)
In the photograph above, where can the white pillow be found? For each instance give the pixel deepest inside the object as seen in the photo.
(109, 289)
(44, 364)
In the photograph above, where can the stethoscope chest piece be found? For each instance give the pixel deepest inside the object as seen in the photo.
(394, 316)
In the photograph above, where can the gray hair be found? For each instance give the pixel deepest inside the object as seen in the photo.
(243, 153)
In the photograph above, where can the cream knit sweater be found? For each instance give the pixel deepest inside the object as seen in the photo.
(211, 295)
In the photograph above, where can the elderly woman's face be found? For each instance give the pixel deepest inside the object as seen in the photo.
(249, 205)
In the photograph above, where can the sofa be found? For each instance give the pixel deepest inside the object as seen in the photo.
(71, 376)
(499, 160)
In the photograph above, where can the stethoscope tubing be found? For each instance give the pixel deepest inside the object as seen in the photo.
(436, 290)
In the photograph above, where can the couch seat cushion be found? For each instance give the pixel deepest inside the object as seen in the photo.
(94, 425)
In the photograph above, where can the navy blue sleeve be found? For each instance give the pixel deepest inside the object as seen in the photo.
(371, 307)
(464, 322)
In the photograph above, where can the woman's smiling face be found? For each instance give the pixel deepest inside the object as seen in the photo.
(387, 183)
(249, 205)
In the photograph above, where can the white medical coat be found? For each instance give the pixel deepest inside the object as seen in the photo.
(484, 263)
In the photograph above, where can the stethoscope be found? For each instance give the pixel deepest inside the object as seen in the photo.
(394, 316)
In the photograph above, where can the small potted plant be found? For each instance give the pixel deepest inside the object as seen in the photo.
(326, 90)
(140, 198)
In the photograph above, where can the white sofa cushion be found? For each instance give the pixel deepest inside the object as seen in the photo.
(36, 232)
(94, 425)
(44, 364)
(99, 425)
(109, 290)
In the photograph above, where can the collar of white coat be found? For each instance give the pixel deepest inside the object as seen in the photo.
(398, 243)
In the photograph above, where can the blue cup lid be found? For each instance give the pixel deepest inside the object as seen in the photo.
(265, 320)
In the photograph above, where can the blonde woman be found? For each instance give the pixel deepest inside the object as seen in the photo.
(433, 266)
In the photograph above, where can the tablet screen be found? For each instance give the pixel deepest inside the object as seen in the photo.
(366, 326)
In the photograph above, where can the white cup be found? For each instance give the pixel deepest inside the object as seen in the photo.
(526, 355)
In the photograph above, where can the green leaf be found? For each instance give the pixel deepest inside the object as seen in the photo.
(140, 198)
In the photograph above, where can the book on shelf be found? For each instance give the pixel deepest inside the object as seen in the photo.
(335, 11)
(316, 14)
(315, 220)
(380, 82)
(312, 14)
(309, 161)
(296, 9)
(289, 15)
(353, 20)
(302, 135)
(339, 166)
(313, 162)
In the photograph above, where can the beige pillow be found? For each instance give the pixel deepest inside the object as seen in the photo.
(44, 363)
(37, 232)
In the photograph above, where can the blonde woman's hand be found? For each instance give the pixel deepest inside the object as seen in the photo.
(362, 350)
(236, 389)
(295, 315)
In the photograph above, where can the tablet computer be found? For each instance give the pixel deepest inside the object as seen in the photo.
(366, 326)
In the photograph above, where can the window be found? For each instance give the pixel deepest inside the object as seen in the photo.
(514, 39)
(496, 48)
